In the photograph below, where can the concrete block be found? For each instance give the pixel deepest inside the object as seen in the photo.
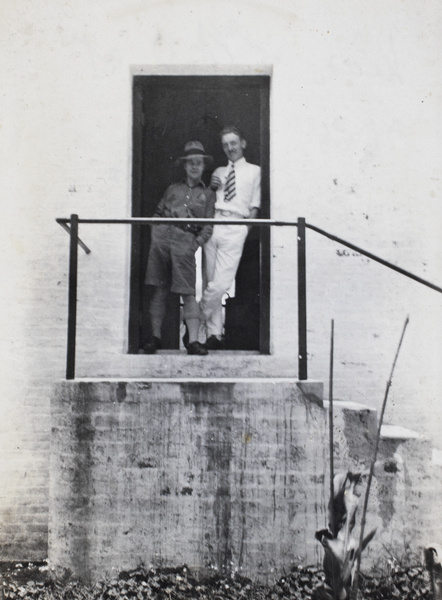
(229, 473)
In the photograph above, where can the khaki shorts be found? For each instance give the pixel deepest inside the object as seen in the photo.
(171, 263)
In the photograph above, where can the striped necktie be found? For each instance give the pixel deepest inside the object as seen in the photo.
(229, 187)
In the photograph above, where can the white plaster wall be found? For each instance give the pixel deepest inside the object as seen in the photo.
(356, 148)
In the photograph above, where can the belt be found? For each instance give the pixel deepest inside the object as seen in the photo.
(190, 227)
(229, 213)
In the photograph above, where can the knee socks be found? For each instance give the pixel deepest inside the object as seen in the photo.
(157, 310)
(191, 314)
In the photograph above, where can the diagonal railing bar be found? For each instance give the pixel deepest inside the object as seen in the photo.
(68, 229)
(335, 238)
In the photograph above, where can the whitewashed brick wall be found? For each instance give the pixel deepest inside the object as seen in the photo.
(355, 148)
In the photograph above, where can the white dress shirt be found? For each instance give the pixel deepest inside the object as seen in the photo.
(247, 188)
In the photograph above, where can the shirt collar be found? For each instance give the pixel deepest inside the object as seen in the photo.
(239, 162)
(199, 184)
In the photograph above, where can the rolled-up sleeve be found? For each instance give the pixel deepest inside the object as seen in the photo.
(256, 189)
(162, 204)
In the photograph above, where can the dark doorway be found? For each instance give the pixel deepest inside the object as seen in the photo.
(167, 112)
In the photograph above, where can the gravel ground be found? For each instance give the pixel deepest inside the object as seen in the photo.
(32, 581)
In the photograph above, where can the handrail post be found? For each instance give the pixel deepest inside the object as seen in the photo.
(302, 303)
(72, 303)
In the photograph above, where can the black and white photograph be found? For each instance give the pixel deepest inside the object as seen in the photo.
(221, 300)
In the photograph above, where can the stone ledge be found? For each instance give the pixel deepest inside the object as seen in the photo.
(341, 404)
(396, 432)
(179, 364)
(305, 384)
(437, 457)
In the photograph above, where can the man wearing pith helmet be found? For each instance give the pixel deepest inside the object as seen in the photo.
(171, 263)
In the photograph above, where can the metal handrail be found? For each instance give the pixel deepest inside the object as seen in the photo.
(173, 220)
(390, 265)
(301, 224)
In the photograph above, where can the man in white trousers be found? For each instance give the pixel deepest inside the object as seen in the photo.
(238, 196)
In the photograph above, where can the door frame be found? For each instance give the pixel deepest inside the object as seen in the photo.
(138, 141)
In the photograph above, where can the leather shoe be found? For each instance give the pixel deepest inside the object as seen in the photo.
(197, 349)
(152, 345)
(214, 343)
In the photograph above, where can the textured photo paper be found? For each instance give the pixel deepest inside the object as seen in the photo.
(230, 475)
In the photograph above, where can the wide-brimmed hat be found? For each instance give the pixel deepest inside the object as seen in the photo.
(194, 149)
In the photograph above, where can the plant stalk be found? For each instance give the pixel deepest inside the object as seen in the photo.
(372, 466)
(330, 427)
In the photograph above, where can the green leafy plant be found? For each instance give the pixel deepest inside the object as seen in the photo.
(342, 559)
(433, 562)
(339, 543)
